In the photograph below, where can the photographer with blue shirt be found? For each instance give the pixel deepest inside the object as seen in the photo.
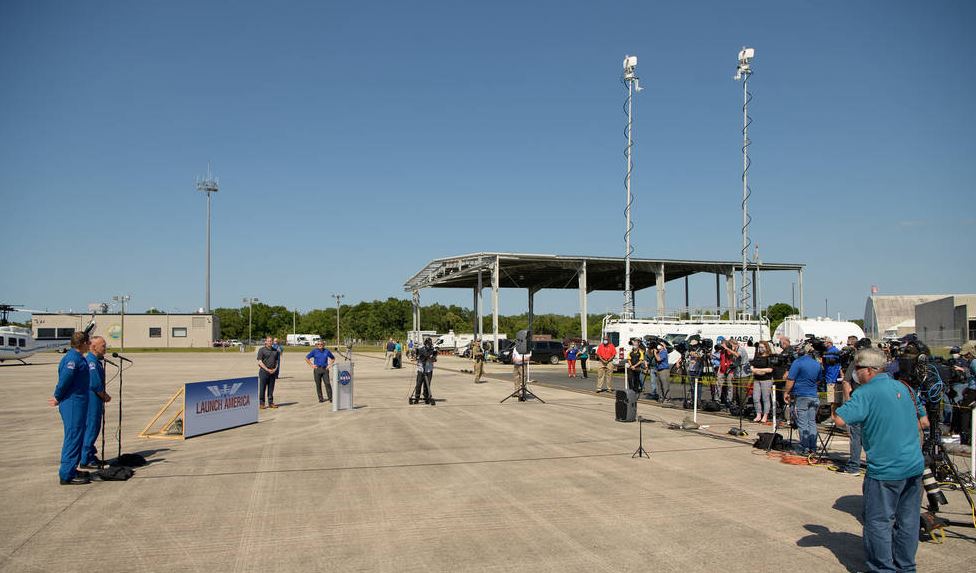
(801, 386)
(890, 418)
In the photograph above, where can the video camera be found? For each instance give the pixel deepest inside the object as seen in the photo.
(427, 352)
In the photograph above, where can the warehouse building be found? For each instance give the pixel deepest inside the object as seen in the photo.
(947, 321)
(138, 330)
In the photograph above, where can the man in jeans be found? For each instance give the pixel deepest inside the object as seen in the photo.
(801, 386)
(890, 417)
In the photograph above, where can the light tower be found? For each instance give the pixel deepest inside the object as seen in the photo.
(338, 297)
(632, 83)
(742, 72)
(208, 185)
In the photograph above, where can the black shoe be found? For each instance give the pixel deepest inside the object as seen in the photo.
(77, 480)
(321, 400)
(82, 473)
(91, 466)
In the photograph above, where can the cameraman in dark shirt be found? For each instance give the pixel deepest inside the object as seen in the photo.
(426, 356)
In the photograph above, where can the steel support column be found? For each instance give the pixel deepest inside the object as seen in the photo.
(659, 276)
(800, 288)
(495, 271)
(582, 297)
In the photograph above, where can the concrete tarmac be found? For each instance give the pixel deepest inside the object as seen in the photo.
(466, 485)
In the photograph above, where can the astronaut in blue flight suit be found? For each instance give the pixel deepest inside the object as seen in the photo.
(97, 397)
(71, 398)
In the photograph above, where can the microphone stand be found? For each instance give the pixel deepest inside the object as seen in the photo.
(137, 460)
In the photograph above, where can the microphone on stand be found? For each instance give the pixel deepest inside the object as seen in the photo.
(120, 357)
(110, 362)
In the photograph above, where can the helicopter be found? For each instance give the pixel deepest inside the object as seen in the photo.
(17, 342)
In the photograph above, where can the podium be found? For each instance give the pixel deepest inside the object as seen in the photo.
(342, 385)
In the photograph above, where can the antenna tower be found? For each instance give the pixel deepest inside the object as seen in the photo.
(632, 84)
(742, 72)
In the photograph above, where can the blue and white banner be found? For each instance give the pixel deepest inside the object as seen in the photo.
(219, 404)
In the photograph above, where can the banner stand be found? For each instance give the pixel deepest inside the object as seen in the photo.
(173, 428)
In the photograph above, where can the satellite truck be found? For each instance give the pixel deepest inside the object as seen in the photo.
(675, 330)
(302, 339)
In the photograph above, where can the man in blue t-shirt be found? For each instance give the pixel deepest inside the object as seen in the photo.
(801, 388)
(321, 359)
(890, 418)
(71, 398)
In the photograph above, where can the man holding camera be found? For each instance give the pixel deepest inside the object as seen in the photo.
(801, 387)
(890, 418)
(725, 375)
(426, 356)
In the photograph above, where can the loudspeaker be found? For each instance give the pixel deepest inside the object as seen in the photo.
(626, 406)
(523, 341)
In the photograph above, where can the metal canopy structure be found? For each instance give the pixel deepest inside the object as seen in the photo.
(535, 272)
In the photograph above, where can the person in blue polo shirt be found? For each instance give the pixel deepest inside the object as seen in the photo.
(97, 397)
(321, 359)
(801, 387)
(71, 398)
(891, 418)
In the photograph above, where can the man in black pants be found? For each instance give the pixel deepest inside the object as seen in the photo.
(268, 365)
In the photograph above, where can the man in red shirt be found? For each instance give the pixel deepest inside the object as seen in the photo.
(605, 353)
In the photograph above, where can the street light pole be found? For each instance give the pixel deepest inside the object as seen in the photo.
(249, 301)
(338, 298)
(122, 299)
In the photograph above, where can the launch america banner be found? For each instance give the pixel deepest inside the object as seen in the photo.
(219, 404)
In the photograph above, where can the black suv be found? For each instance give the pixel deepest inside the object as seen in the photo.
(550, 351)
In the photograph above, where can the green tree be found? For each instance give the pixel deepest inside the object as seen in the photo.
(777, 313)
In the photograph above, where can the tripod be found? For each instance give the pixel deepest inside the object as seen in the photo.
(422, 386)
(742, 410)
(522, 392)
(641, 452)
(942, 466)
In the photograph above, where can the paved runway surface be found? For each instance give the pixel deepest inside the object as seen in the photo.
(467, 485)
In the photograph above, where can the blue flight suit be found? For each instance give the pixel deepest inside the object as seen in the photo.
(96, 408)
(72, 396)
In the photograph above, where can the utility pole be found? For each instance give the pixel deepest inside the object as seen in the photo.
(122, 299)
(249, 301)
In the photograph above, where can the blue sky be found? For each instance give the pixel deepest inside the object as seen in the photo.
(356, 141)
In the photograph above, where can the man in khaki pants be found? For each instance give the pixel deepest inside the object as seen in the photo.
(478, 355)
(605, 353)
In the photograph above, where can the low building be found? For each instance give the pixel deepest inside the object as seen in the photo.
(886, 315)
(947, 321)
(140, 330)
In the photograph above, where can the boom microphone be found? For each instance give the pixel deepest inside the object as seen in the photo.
(90, 328)
(120, 357)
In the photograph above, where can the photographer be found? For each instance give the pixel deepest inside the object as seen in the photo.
(662, 370)
(695, 363)
(963, 390)
(801, 386)
(782, 360)
(725, 377)
(832, 369)
(849, 384)
(890, 418)
(426, 356)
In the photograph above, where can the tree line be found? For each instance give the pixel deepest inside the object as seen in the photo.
(382, 319)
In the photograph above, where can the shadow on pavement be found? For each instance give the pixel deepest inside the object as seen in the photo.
(846, 547)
